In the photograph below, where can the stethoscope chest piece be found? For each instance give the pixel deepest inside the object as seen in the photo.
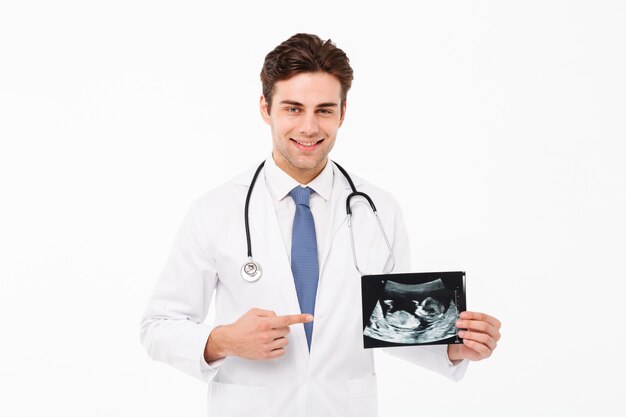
(251, 271)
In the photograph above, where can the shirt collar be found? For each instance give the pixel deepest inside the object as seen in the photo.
(281, 183)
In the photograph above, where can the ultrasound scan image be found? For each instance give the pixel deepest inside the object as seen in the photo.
(413, 313)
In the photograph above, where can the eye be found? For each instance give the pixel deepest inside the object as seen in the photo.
(325, 111)
(292, 109)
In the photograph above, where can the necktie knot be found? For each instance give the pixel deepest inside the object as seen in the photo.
(301, 195)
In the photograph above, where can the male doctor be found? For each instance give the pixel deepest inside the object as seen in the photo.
(290, 343)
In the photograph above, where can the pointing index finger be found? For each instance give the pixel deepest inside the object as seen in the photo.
(288, 320)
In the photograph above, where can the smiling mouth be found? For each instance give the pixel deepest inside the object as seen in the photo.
(307, 144)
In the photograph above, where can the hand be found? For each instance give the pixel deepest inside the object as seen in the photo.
(258, 334)
(480, 337)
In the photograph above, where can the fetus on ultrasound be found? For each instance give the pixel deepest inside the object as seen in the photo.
(413, 314)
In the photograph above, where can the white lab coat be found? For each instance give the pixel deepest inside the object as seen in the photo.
(337, 377)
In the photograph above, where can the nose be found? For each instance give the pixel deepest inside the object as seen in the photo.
(309, 125)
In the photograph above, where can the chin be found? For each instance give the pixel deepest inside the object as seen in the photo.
(306, 164)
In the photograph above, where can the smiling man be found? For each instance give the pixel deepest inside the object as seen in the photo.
(288, 335)
(307, 113)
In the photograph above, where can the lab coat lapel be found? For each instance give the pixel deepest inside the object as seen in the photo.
(268, 248)
(341, 190)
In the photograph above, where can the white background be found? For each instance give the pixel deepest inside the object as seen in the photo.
(498, 125)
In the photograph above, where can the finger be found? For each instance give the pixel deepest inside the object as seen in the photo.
(276, 353)
(284, 321)
(274, 334)
(259, 312)
(471, 315)
(481, 351)
(479, 326)
(480, 338)
(281, 332)
(279, 343)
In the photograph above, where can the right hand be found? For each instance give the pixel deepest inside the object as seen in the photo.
(258, 334)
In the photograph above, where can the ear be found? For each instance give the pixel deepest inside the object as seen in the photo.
(264, 109)
(343, 112)
(388, 303)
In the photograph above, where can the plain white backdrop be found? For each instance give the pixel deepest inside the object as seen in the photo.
(499, 126)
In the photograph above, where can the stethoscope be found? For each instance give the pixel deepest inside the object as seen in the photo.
(251, 271)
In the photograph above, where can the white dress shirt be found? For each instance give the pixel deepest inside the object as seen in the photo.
(280, 184)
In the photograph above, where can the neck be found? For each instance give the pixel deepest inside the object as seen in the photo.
(303, 176)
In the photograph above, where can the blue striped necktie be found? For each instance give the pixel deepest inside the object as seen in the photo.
(304, 263)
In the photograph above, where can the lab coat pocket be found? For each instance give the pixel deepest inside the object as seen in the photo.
(231, 400)
(363, 397)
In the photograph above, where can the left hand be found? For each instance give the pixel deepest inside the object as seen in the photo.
(480, 336)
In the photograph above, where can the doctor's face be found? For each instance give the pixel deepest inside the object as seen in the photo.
(304, 118)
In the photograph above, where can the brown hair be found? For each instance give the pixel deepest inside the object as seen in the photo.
(305, 53)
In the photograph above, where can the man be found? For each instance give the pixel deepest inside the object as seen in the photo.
(289, 343)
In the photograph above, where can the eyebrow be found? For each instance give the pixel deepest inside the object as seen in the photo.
(295, 103)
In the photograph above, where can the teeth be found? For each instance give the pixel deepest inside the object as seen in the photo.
(306, 144)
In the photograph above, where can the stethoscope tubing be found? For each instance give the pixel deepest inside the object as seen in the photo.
(245, 215)
(356, 193)
(253, 266)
